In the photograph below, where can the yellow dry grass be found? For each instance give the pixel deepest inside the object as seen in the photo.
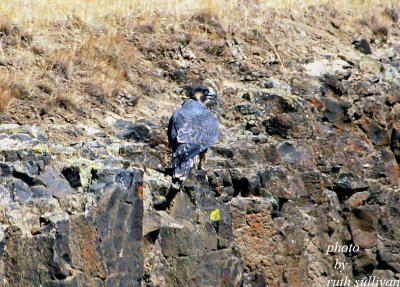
(100, 54)
(5, 99)
(42, 12)
(12, 86)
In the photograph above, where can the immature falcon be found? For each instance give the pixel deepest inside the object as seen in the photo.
(191, 130)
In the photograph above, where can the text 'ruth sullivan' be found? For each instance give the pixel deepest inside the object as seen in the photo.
(372, 281)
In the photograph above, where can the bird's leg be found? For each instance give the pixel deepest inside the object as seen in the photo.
(202, 159)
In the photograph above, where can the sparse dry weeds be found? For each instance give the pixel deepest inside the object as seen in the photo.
(38, 12)
(12, 86)
(5, 99)
(71, 53)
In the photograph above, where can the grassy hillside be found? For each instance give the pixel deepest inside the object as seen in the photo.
(66, 60)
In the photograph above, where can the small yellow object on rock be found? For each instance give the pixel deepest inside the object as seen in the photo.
(215, 215)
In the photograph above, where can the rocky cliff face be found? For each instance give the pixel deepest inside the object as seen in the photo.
(57, 233)
(76, 217)
(301, 189)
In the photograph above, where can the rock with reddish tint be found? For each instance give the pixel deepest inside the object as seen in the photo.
(375, 132)
(337, 83)
(274, 102)
(387, 167)
(195, 239)
(248, 217)
(363, 88)
(364, 225)
(289, 237)
(335, 112)
(358, 199)
(313, 184)
(395, 141)
(365, 260)
(289, 126)
(102, 247)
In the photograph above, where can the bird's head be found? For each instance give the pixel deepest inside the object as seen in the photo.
(205, 94)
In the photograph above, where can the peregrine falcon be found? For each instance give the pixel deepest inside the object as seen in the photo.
(192, 129)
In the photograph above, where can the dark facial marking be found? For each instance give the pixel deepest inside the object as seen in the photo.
(204, 95)
(201, 94)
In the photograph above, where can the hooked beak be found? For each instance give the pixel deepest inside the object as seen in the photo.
(211, 96)
(213, 99)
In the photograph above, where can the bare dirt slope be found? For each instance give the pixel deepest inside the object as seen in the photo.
(72, 76)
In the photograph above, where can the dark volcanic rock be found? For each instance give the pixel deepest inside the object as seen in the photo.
(395, 141)
(358, 199)
(273, 104)
(21, 191)
(245, 109)
(289, 126)
(335, 111)
(274, 180)
(54, 180)
(5, 169)
(363, 88)
(178, 75)
(72, 174)
(245, 183)
(195, 239)
(336, 83)
(101, 248)
(363, 224)
(223, 151)
(38, 261)
(375, 132)
(313, 182)
(388, 244)
(118, 223)
(40, 191)
(389, 255)
(347, 184)
(365, 261)
(28, 172)
(362, 45)
(291, 154)
(135, 131)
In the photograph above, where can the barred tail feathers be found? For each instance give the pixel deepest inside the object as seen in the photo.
(182, 169)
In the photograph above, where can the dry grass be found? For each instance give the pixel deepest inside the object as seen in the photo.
(11, 87)
(93, 49)
(42, 12)
(5, 99)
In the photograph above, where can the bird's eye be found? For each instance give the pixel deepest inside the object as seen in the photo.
(205, 91)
